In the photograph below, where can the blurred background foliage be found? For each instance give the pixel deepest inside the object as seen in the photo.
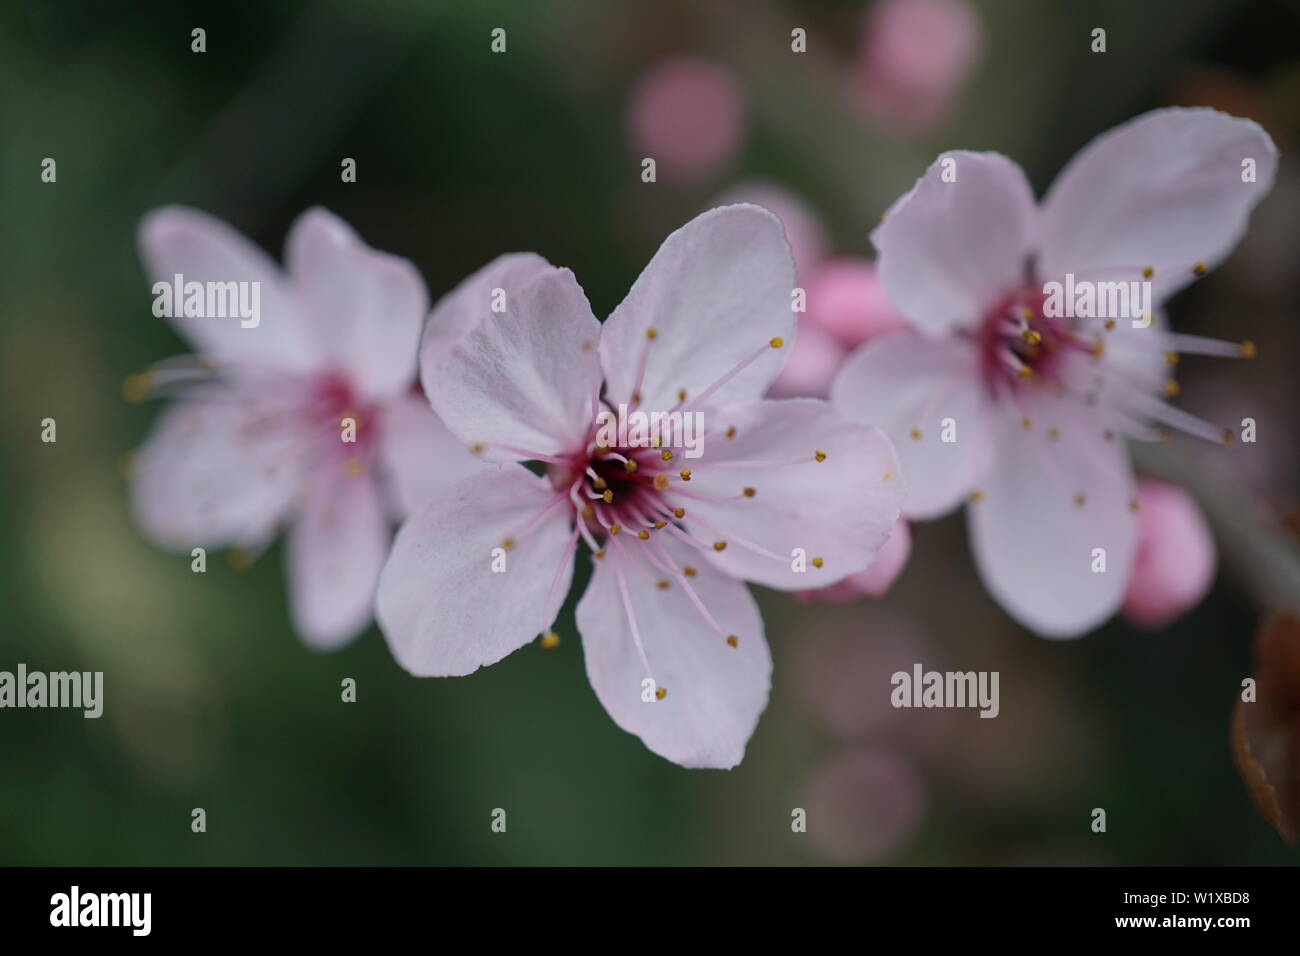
(212, 702)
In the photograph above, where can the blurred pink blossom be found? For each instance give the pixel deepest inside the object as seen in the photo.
(914, 58)
(863, 804)
(1176, 557)
(688, 114)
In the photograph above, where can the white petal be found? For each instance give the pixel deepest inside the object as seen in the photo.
(178, 240)
(365, 307)
(1163, 190)
(210, 474)
(420, 457)
(335, 549)
(840, 509)
(714, 693)
(914, 389)
(443, 609)
(952, 248)
(1052, 511)
(718, 290)
(523, 378)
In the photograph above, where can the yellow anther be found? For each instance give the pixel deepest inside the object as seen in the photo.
(652, 333)
(1227, 436)
(1134, 505)
(1079, 499)
(1053, 433)
(1024, 371)
(507, 544)
(733, 640)
(607, 497)
(1248, 349)
(1026, 313)
(643, 534)
(817, 562)
(636, 397)
(1171, 387)
(1032, 337)
(354, 466)
(689, 571)
(685, 474)
(1198, 269)
(660, 525)
(550, 640)
(681, 395)
(1148, 272)
(819, 455)
(1026, 422)
(476, 448)
(1171, 358)
(916, 434)
(661, 693)
(887, 476)
(136, 387)
(777, 342)
(666, 455)
(679, 512)
(661, 482)
(719, 546)
(600, 484)
(750, 492)
(1098, 349)
(731, 431)
(629, 465)
(977, 495)
(599, 554)
(662, 584)
(588, 511)
(615, 528)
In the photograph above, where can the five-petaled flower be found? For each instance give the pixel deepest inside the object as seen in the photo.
(307, 417)
(993, 398)
(785, 493)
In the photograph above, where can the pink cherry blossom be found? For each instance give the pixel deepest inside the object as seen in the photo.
(688, 114)
(783, 492)
(257, 436)
(915, 56)
(1176, 558)
(1039, 405)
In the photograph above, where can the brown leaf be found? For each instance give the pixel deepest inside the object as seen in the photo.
(1266, 732)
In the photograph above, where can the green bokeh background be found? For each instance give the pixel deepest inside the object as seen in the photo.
(212, 702)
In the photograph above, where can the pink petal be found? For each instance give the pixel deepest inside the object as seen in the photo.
(1163, 190)
(179, 240)
(210, 475)
(879, 577)
(848, 300)
(811, 364)
(1176, 556)
(840, 509)
(335, 550)
(365, 307)
(523, 378)
(442, 608)
(949, 251)
(803, 230)
(909, 385)
(1034, 539)
(714, 692)
(420, 457)
(718, 289)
